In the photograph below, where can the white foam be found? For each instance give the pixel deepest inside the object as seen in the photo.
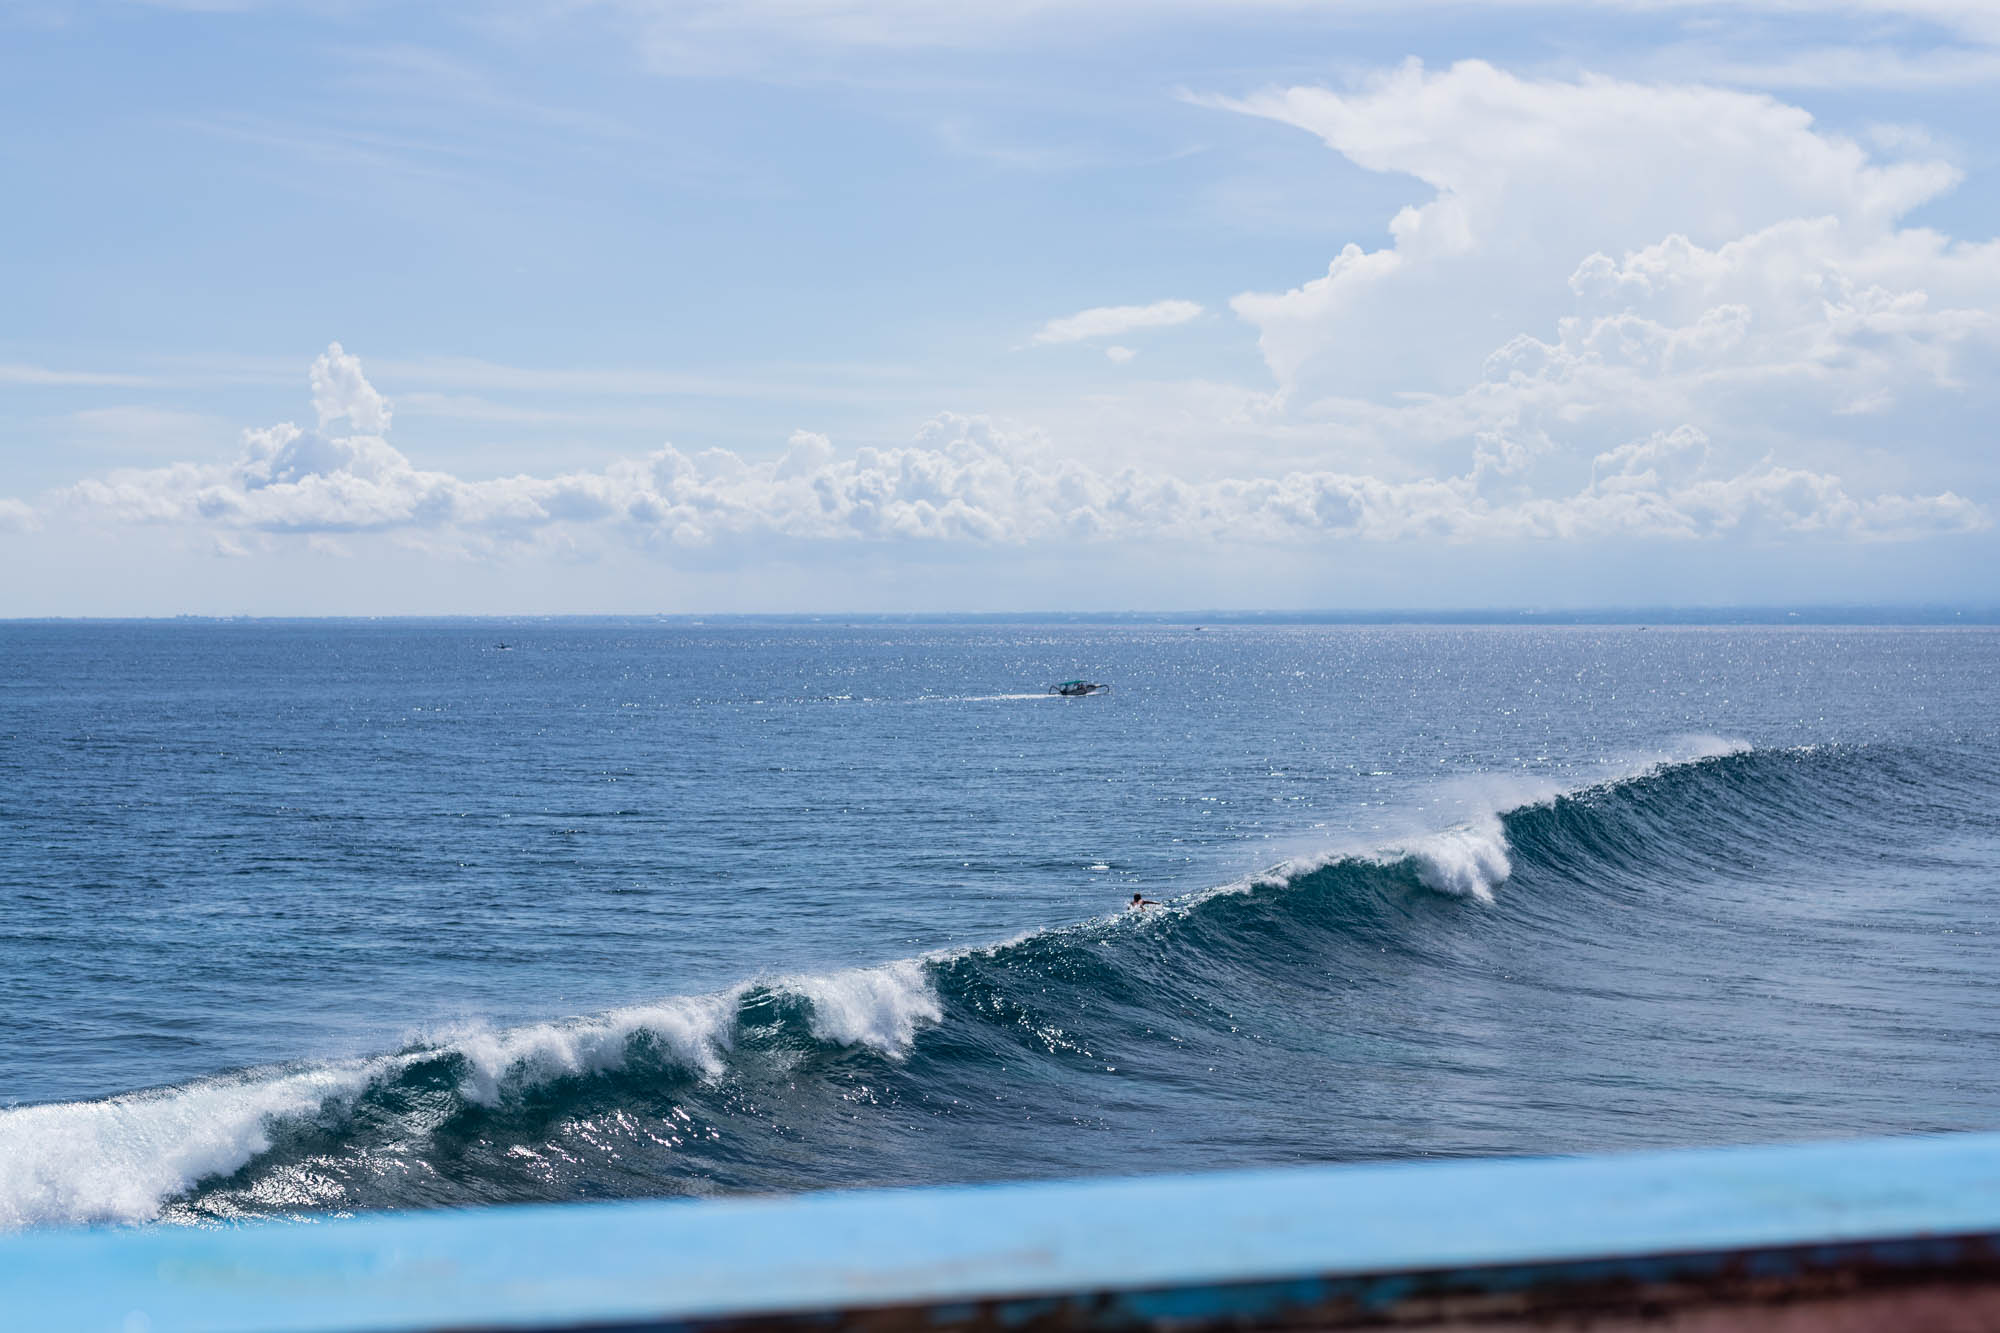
(119, 1159)
(696, 1030)
(1468, 861)
(879, 1007)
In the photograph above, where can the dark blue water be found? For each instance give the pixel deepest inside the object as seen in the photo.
(307, 918)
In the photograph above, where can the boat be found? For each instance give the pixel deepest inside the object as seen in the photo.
(1073, 689)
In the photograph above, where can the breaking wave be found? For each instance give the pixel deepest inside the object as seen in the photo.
(838, 1077)
(119, 1159)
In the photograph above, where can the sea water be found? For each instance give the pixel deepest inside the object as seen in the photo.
(313, 918)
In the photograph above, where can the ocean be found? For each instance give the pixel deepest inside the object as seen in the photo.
(300, 919)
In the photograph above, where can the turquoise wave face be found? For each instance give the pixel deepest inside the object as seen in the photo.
(713, 942)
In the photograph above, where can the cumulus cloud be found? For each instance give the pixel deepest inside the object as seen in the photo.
(340, 393)
(961, 480)
(1715, 324)
(1111, 321)
(1527, 179)
(1611, 312)
(1670, 258)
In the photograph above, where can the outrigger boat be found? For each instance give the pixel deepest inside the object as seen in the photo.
(1071, 689)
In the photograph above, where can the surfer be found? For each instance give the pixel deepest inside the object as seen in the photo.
(1139, 904)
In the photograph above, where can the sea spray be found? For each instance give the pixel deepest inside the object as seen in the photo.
(1470, 858)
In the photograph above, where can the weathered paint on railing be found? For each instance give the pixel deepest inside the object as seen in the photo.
(1882, 1233)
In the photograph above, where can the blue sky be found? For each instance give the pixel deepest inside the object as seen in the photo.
(790, 305)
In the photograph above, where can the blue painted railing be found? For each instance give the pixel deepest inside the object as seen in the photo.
(1779, 1228)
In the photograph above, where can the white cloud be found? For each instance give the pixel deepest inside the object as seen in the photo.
(17, 516)
(1110, 321)
(1667, 257)
(340, 393)
(1610, 311)
(966, 480)
(1527, 179)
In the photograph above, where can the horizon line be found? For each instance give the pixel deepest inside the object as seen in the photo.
(1633, 614)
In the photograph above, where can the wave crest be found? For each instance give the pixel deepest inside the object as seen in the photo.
(1469, 861)
(122, 1159)
(695, 1031)
(881, 1008)
(119, 1159)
